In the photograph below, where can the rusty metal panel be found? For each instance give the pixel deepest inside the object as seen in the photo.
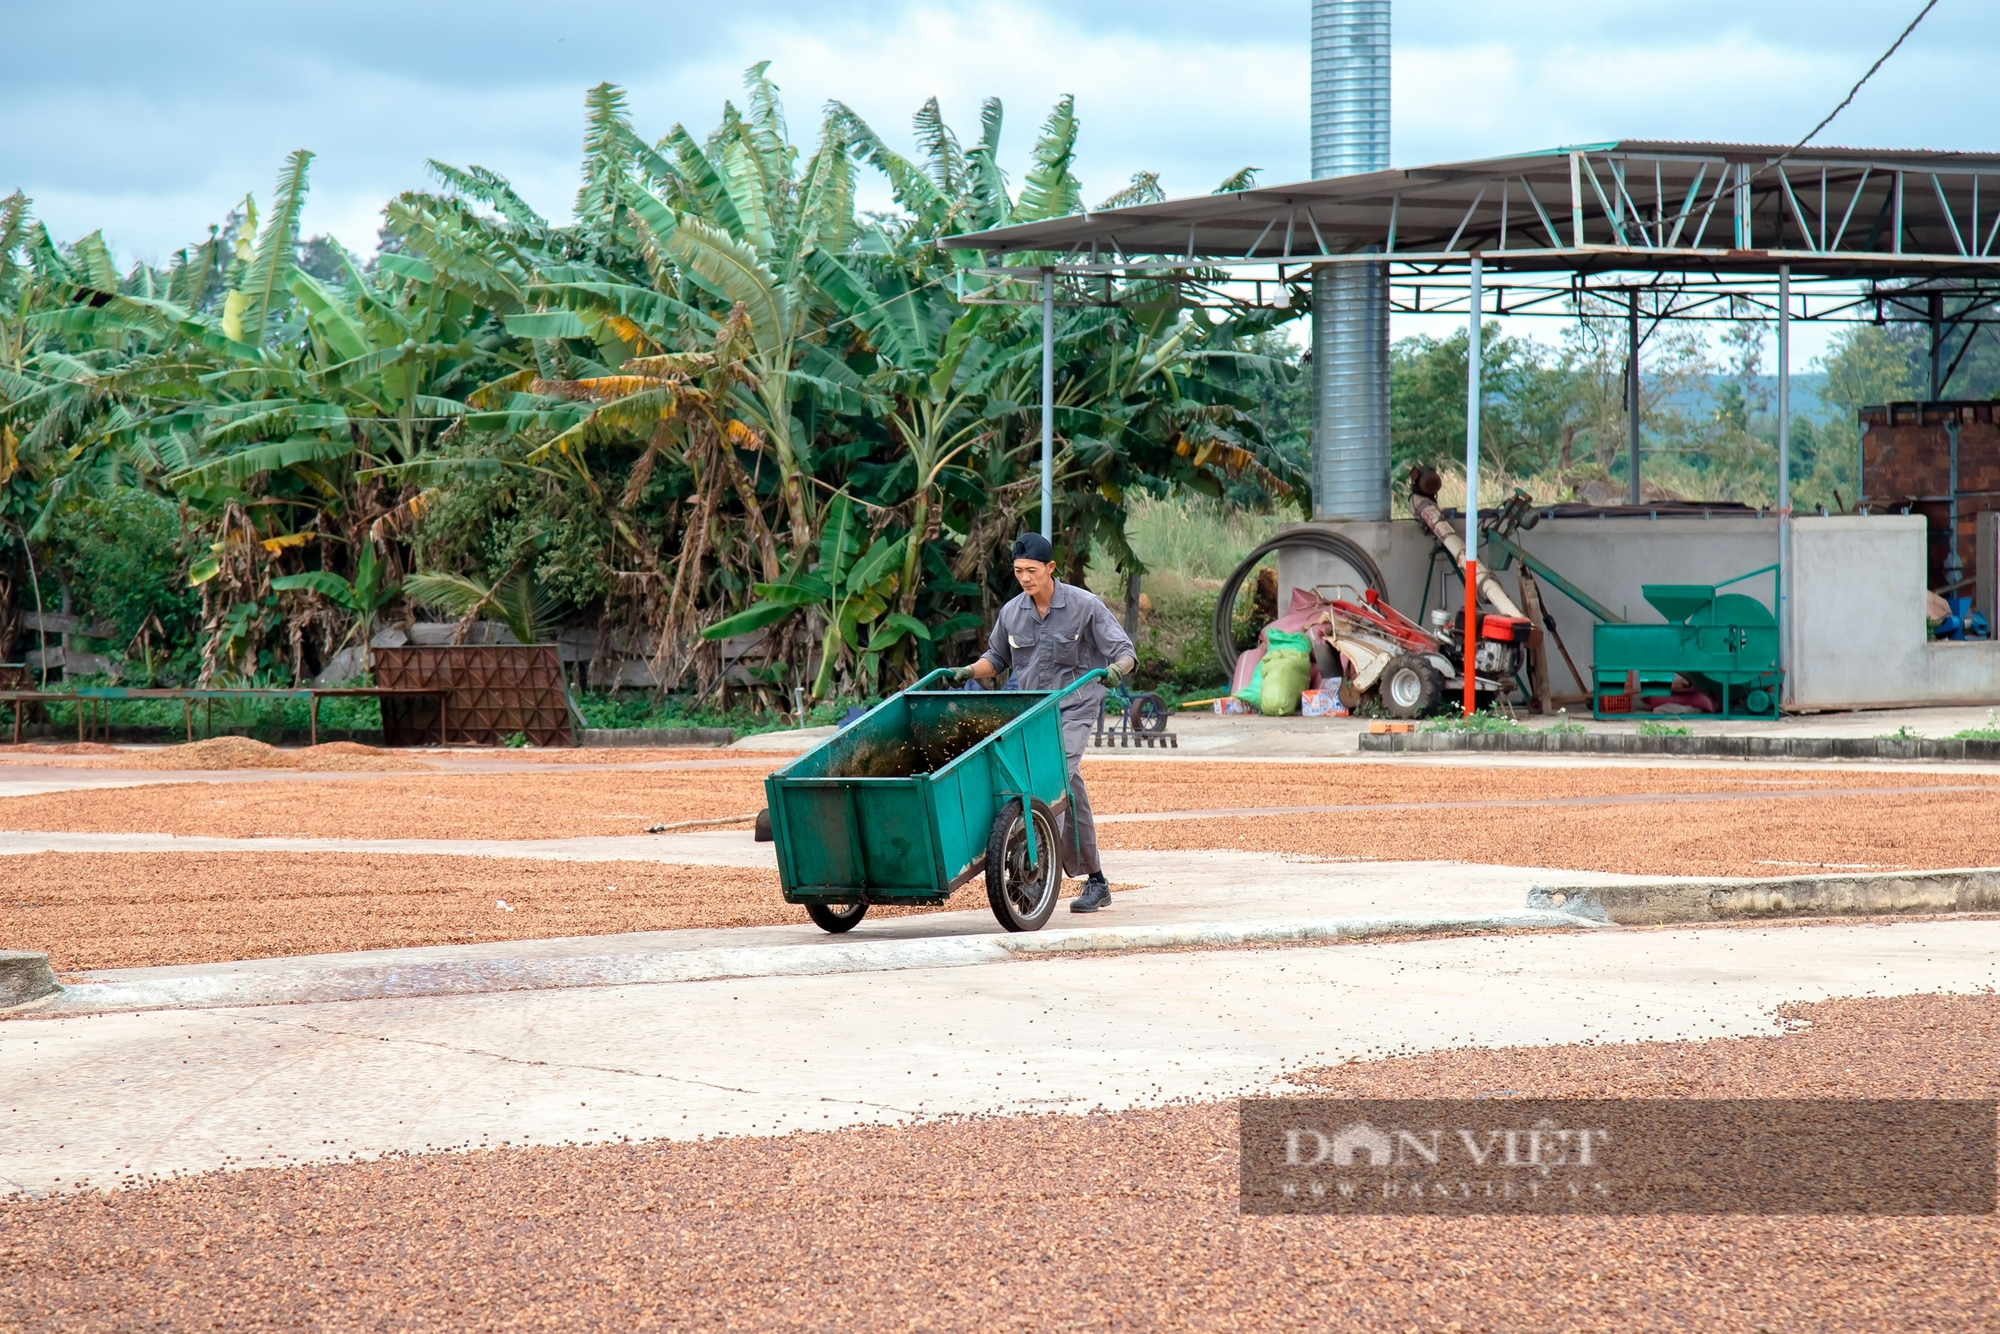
(495, 690)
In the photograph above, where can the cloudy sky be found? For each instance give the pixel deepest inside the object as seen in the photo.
(150, 120)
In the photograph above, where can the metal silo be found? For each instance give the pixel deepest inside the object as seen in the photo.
(1350, 133)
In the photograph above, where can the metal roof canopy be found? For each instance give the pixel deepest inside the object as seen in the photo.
(1724, 220)
(1631, 205)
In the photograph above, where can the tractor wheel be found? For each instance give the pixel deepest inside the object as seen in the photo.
(1411, 686)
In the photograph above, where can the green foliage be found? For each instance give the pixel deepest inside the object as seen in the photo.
(1475, 722)
(1988, 731)
(527, 608)
(1902, 733)
(1648, 727)
(121, 556)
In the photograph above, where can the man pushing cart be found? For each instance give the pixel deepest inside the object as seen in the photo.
(1047, 638)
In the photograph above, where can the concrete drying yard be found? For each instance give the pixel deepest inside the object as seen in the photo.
(449, 1040)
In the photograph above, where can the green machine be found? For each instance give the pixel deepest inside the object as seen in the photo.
(1724, 644)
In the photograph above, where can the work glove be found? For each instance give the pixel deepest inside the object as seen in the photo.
(1112, 676)
(961, 673)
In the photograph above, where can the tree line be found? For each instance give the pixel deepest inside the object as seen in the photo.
(723, 418)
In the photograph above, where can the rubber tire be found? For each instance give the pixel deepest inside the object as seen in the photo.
(1411, 686)
(763, 830)
(1000, 843)
(836, 917)
(1147, 713)
(1308, 539)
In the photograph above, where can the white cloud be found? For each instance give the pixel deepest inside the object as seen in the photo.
(184, 108)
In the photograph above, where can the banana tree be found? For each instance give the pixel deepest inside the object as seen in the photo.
(364, 595)
(727, 224)
(933, 372)
(850, 585)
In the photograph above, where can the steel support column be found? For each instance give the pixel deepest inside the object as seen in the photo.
(1936, 304)
(1472, 486)
(1632, 391)
(1783, 610)
(1048, 404)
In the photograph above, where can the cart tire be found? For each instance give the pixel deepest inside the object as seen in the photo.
(1023, 895)
(836, 917)
(1411, 686)
(763, 830)
(1147, 713)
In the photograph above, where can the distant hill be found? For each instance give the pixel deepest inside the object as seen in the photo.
(1699, 400)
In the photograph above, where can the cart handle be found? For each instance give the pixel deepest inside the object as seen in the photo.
(1084, 680)
(929, 677)
(1095, 673)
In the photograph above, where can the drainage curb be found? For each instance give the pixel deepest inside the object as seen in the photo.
(1728, 747)
(25, 977)
(655, 736)
(1975, 889)
(301, 982)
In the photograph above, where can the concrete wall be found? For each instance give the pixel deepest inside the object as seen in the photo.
(1858, 635)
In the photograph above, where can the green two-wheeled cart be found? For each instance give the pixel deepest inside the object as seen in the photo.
(920, 795)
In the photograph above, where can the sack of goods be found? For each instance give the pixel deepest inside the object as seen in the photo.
(1281, 675)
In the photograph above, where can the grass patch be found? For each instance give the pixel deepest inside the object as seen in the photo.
(1903, 733)
(1477, 722)
(263, 719)
(1989, 732)
(1650, 728)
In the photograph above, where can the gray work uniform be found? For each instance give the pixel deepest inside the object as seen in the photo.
(1039, 652)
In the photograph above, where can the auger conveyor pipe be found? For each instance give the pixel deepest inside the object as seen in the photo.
(1432, 517)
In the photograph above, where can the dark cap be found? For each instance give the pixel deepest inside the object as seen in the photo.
(1033, 546)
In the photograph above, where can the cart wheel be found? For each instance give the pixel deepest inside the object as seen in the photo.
(1023, 893)
(1148, 713)
(763, 830)
(1411, 686)
(836, 917)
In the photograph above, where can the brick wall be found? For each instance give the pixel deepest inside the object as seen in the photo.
(1906, 462)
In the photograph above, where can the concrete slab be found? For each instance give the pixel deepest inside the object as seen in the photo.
(91, 1101)
(696, 847)
(1215, 736)
(1198, 898)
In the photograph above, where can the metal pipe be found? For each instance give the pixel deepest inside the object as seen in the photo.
(1350, 133)
(1427, 513)
(1954, 566)
(1508, 547)
(1632, 390)
(1784, 467)
(1048, 404)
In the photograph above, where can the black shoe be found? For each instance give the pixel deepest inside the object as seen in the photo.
(1096, 894)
